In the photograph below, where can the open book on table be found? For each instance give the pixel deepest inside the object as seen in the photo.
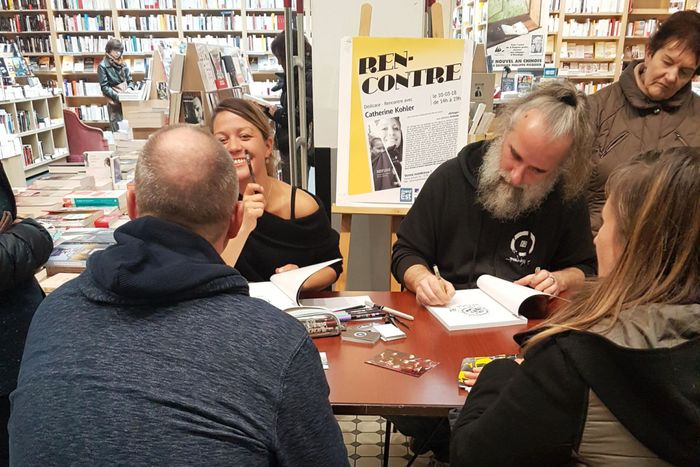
(496, 302)
(283, 289)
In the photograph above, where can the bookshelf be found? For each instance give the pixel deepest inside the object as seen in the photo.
(54, 32)
(32, 132)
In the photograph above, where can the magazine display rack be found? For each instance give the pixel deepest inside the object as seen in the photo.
(204, 76)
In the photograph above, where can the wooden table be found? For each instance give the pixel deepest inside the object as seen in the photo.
(360, 388)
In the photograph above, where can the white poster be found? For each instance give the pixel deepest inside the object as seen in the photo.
(403, 110)
(517, 33)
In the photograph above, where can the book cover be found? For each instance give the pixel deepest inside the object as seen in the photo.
(470, 363)
(191, 107)
(402, 362)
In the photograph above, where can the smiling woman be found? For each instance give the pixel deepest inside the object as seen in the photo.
(283, 227)
(651, 107)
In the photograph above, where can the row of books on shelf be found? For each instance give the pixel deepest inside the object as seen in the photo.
(89, 64)
(146, 4)
(586, 68)
(259, 43)
(554, 5)
(33, 44)
(83, 22)
(93, 112)
(225, 21)
(594, 6)
(552, 24)
(642, 28)
(592, 27)
(591, 87)
(12, 93)
(96, 44)
(211, 4)
(252, 4)
(82, 4)
(227, 40)
(24, 23)
(81, 88)
(600, 50)
(634, 52)
(271, 22)
(23, 4)
(80, 44)
(148, 23)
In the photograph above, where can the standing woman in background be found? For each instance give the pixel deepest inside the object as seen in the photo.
(24, 247)
(114, 77)
(652, 106)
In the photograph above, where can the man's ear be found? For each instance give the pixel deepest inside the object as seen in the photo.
(131, 204)
(235, 221)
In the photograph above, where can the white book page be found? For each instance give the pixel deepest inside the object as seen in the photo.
(472, 308)
(507, 293)
(290, 282)
(271, 294)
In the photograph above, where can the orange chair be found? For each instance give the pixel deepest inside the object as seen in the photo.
(82, 137)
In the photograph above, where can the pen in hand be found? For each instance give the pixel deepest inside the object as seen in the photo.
(439, 277)
(250, 167)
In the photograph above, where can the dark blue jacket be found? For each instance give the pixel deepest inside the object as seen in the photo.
(156, 354)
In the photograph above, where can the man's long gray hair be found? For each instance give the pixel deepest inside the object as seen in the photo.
(566, 112)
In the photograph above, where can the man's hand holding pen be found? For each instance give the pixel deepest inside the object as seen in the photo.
(429, 288)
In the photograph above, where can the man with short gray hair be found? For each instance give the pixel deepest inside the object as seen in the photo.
(153, 355)
(510, 207)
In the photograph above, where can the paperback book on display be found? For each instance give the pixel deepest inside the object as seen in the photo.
(496, 302)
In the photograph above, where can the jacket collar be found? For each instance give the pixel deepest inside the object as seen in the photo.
(639, 100)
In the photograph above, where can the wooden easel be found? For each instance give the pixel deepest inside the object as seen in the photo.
(396, 214)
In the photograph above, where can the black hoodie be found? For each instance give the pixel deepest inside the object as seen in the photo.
(156, 354)
(448, 227)
(621, 397)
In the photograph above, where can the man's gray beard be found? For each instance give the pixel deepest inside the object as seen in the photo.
(501, 199)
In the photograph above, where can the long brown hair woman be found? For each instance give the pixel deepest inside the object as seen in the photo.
(615, 374)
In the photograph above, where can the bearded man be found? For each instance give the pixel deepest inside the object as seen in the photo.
(511, 207)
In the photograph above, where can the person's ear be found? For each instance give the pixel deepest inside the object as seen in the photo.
(269, 144)
(235, 221)
(131, 203)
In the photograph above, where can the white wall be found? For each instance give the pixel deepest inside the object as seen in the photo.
(331, 20)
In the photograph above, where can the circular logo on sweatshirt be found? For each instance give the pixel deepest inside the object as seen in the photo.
(523, 243)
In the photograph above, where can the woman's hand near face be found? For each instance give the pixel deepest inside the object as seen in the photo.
(253, 206)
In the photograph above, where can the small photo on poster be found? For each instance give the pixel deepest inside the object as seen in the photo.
(536, 44)
(192, 108)
(385, 140)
